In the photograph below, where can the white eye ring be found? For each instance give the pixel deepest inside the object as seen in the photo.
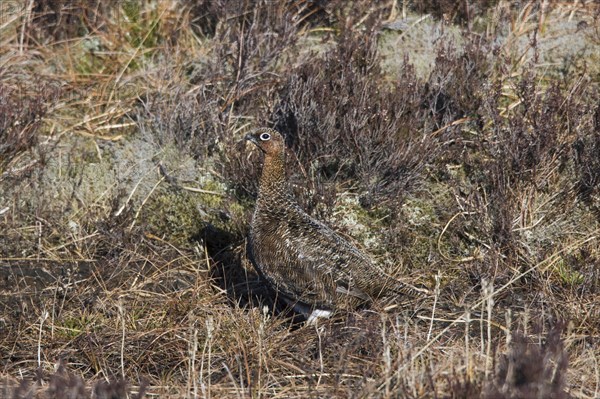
(265, 136)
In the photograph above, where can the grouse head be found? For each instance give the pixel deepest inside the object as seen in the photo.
(269, 141)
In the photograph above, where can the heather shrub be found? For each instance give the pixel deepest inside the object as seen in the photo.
(22, 107)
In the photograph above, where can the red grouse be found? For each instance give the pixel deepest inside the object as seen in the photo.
(311, 267)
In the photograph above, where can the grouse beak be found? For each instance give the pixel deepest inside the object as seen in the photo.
(251, 138)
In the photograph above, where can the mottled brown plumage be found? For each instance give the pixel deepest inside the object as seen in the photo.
(308, 264)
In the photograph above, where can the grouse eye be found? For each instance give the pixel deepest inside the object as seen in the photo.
(265, 136)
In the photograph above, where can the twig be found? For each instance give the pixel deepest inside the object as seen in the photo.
(137, 213)
(454, 123)
(116, 126)
(122, 316)
(43, 318)
(202, 191)
(435, 299)
(122, 208)
(439, 241)
(25, 23)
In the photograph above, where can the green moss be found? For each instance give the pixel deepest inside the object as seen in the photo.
(566, 274)
(132, 10)
(142, 31)
(211, 200)
(173, 215)
(72, 327)
(178, 215)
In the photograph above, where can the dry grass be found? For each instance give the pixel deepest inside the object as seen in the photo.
(125, 196)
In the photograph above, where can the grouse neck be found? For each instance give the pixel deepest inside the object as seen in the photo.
(272, 178)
